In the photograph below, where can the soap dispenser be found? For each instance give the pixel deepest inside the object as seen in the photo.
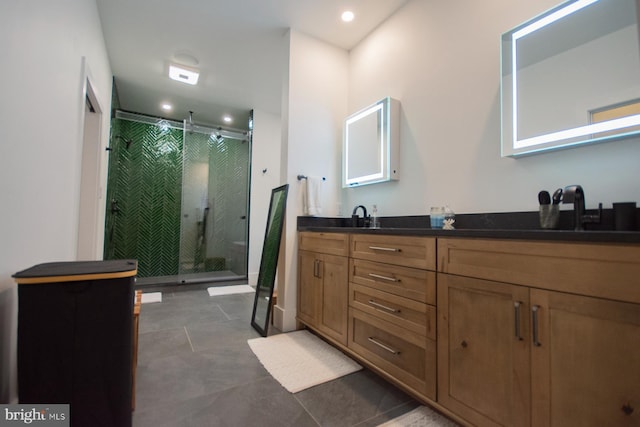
(375, 222)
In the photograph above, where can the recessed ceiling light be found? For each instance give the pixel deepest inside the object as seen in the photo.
(166, 106)
(227, 118)
(347, 16)
(183, 74)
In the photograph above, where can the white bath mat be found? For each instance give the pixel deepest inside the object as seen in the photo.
(229, 290)
(420, 417)
(151, 297)
(299, 360)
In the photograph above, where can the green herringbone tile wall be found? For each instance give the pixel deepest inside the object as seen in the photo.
(145, 181)
(159, 216)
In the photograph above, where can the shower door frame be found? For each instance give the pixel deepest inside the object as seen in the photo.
(226, 133)
(181, 278)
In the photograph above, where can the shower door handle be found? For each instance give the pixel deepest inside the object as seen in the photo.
(243, 217)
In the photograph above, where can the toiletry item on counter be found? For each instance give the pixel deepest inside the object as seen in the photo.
(549, 212)
(544, 198)
(549, 216)
(436, 216)
(375, 222)
(449, 219)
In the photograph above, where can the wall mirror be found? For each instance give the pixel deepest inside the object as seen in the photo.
(370, 144)
(269, 261)
(571, 76)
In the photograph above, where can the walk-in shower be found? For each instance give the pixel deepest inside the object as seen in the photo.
(178, 196)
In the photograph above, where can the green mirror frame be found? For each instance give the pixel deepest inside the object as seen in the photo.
(269, 261)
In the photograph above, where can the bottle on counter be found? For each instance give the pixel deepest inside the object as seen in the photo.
(375, 222)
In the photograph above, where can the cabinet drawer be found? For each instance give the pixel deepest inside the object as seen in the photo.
(593, 269)
(418, 252)
(412, 315)
(412, 283)
(409, 357)
(326, 243)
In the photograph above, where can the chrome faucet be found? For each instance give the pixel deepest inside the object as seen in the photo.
(355, 218)
(575, 194)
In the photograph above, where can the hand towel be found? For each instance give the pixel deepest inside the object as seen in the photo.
(311, 195)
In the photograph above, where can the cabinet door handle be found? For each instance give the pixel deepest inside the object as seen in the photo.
(534, 314)
(381, 248)
(384, 307)
(317, 268)
(381, 345)
(387, 278)
(516, 312)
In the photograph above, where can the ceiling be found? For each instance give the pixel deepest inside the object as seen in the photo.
(238, 45)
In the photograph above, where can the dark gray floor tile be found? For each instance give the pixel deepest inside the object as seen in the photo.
(351, 400)
(157, 344)
(223, 334)
(154, 317)
(185, 376)
(263, 402)
(238, 306)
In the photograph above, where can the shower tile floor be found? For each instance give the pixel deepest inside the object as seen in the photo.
(195, 368)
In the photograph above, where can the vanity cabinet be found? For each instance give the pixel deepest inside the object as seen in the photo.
(392, 310)
(322, 283)
(534, 333)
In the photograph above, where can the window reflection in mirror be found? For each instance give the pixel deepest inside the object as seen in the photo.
(370, 144)
(562, 66)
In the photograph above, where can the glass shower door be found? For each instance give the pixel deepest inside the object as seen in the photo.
(214, 223)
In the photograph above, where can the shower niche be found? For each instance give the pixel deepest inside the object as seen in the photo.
(178, 199)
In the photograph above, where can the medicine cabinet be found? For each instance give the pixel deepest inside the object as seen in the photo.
(371, 144)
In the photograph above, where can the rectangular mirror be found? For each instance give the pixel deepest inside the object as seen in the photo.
(370, 144)
(269, 261)
(571, 76)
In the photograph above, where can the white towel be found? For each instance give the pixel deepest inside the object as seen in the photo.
(311, 195)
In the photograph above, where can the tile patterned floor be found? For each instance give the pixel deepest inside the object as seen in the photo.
(195, 368)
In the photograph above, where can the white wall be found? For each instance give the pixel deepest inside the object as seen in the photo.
(313, 109)
(441, 59)
(265, 176)
(42, 110)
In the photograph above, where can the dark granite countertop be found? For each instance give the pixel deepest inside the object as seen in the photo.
(514, 225)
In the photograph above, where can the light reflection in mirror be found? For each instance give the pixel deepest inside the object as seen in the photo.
(532, 120)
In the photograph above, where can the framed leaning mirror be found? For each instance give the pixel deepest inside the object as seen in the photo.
(269, 261)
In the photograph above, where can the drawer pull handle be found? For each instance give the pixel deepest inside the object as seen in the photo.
(386, 347)
(379, 276)
(381, 248)
(384, 307)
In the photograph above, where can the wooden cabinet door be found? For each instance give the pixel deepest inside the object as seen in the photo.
(334, 272)
(483, 350)
(585, 361)
(309, 288)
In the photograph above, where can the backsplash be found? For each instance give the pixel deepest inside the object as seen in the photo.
(489, 221)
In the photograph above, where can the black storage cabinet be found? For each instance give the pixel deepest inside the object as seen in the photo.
(75, 332)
